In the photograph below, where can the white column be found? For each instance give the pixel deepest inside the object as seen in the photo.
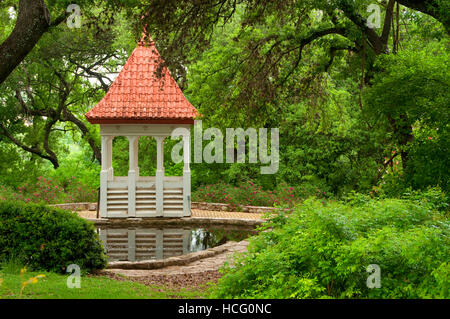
(159, 175)
(187, 176)
(133, 151)
(136, 159)
(104, 178)
(109, 147)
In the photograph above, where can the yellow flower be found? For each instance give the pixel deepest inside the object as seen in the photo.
(23, 270)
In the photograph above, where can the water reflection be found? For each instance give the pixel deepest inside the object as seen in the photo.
(136, 244)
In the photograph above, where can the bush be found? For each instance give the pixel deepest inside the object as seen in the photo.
(323, 250)
(49, 191)
(45, 238)
(248, 194)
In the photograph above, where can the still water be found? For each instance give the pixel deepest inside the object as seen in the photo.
(136, 244)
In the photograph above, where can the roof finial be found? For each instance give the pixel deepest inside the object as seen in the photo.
(145, 34)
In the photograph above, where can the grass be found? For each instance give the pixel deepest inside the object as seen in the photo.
(54, 286)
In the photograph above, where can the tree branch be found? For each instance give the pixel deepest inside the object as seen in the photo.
(34, 150)
(435, 8)
(32, 22)
(374, 40)
(68, 116)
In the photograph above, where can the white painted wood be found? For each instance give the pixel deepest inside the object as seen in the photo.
(132, 175)
(173, 178)
(187, 177)
(140, 129)
(174, 191)
(146, 185)
(159, 175)
(146, 179)
(173, 185)
(103, 194)
(173, 213)
(109, 150)
(119, 197)
(133, 195)
(104, 177)
(118, 185)
(112, 214)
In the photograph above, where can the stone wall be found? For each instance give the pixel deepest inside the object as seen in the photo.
(228, 207)
(77, 206)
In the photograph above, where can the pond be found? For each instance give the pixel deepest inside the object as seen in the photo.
(137, 244)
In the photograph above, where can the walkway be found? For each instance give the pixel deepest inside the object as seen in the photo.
(198, 213)
(193, 275)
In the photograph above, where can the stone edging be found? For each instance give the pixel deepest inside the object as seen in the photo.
(228, 207)
(77, 206)
(194, 205)
(173, 261)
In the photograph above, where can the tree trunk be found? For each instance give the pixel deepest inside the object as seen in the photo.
(32, 22)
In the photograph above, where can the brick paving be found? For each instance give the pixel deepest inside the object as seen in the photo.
(197, 213)
(222, 214)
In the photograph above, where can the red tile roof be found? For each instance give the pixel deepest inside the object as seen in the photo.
(139, 96)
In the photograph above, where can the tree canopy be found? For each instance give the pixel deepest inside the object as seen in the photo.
(352, 96)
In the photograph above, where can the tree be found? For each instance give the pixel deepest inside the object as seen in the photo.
(412, 93)
(57, 84)
(34, 19)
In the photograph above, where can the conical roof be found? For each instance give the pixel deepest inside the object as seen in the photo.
(138, 95)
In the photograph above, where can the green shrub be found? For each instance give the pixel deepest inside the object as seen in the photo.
(246, 194)
(45, 238)
(322, 250)
(432, 196)
(50, 191)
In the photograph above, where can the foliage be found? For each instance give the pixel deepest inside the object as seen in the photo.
(243, 195)
(49, 191)
(432, 196)
(44, 100)
(319, 75)
(411, 96)
(45, 238)
(323, 250)
(359, 110)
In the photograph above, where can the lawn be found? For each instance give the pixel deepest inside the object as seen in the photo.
(54, 286)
